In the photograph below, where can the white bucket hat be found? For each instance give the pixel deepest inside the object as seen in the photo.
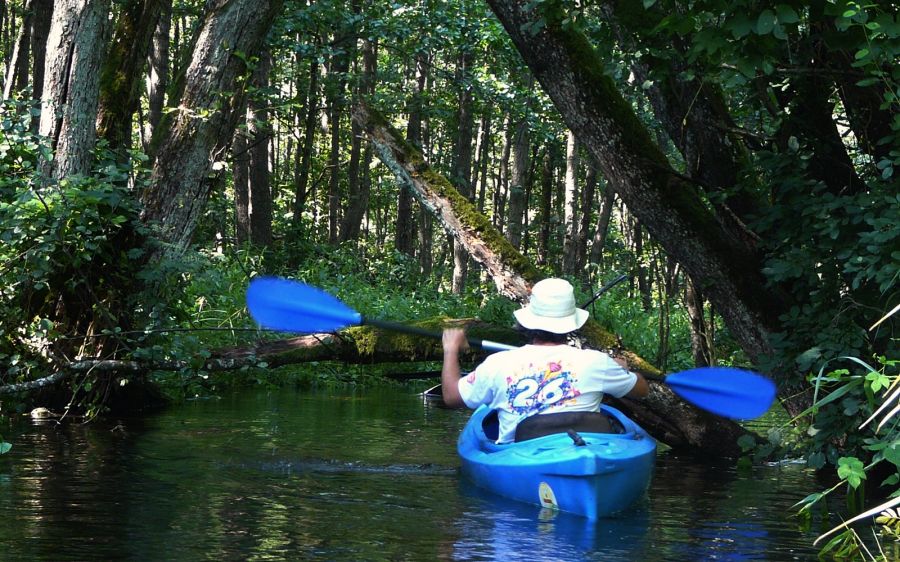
(552, 308)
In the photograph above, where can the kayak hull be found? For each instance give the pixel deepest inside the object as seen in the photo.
(602, 478)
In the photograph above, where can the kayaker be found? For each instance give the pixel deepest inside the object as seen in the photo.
(545, 376)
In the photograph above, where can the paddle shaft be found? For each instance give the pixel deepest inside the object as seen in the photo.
(605, 288)
(397, 327)
(473, 342)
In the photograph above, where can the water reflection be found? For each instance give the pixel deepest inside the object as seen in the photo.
(499, 529)
(296, 475)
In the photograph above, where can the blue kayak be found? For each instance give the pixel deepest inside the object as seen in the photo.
(602, 476)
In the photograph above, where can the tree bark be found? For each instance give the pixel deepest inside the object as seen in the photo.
(17, 70)
(241, 178)
(301, 188)
(571, 206)
(40, 30)
(120, 80)
(75, 45)
(358, 192)
(599, 241)
(546, 204)
(260, 136)
(584, 227)
(501, 187)
(157, 80)
(571, 72)
(520, 150)
(661, 413)
(404, 230)
(701, 343)
(483, 155)
(198, 132)
(461, 167)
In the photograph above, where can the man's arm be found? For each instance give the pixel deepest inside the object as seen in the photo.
(454, 340)
(640, 388)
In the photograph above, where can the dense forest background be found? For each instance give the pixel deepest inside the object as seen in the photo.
(736, 159)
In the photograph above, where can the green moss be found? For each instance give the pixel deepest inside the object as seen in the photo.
(414, 163)
(598, 337)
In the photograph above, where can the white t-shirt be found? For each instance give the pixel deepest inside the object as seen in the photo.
(543, 379)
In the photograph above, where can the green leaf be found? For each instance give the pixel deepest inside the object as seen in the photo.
(649, 3)
(4, 447)
(766, 22)
(892, 453)
(786, 14)
(852, 470)
(816, 460)
(740, 25)
(746, 442)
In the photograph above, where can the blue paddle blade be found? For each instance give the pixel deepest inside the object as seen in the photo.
(282, 304)
(726, 391)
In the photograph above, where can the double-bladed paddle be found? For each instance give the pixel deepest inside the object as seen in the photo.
(282, 304)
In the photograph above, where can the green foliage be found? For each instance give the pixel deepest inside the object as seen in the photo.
(71, 252)
(846, 398)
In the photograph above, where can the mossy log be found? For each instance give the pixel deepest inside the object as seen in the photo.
(663, 414)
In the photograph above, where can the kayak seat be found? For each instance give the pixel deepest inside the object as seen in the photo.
(540, 425)
(491, 425)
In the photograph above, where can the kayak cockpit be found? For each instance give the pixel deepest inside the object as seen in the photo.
(541, 425)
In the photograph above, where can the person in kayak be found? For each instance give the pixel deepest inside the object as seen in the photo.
(547, 375)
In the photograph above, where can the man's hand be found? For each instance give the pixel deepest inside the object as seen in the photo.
(454, 340)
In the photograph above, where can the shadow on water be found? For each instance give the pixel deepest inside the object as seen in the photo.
(294, 475)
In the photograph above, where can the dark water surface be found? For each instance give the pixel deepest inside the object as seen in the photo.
(373, 475)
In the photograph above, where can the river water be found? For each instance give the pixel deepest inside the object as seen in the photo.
(340, 475)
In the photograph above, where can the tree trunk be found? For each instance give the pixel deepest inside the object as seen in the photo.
(40, 30)
(517, 205)
(701, 343)
(584, 227)
(606, 207)
(695, 117)
(260, 136)
(461, 168)
(502, 184)
(301, 188)
(643, 277)
(338, 68)
(230, 33)
(482, 156)
(17, 70)
(241, 177)
(358, 190)
(75, 46)
(120, 80)
(546, 208)
(662, 413)
(570, 71)
(570, 213)
(403, 235)
(157, 80)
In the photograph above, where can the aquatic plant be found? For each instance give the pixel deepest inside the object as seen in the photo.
(850, 394)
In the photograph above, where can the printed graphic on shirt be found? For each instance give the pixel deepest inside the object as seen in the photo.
(540, 387)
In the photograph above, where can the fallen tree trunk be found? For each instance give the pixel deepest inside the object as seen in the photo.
(663, 414)
(358, 345)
